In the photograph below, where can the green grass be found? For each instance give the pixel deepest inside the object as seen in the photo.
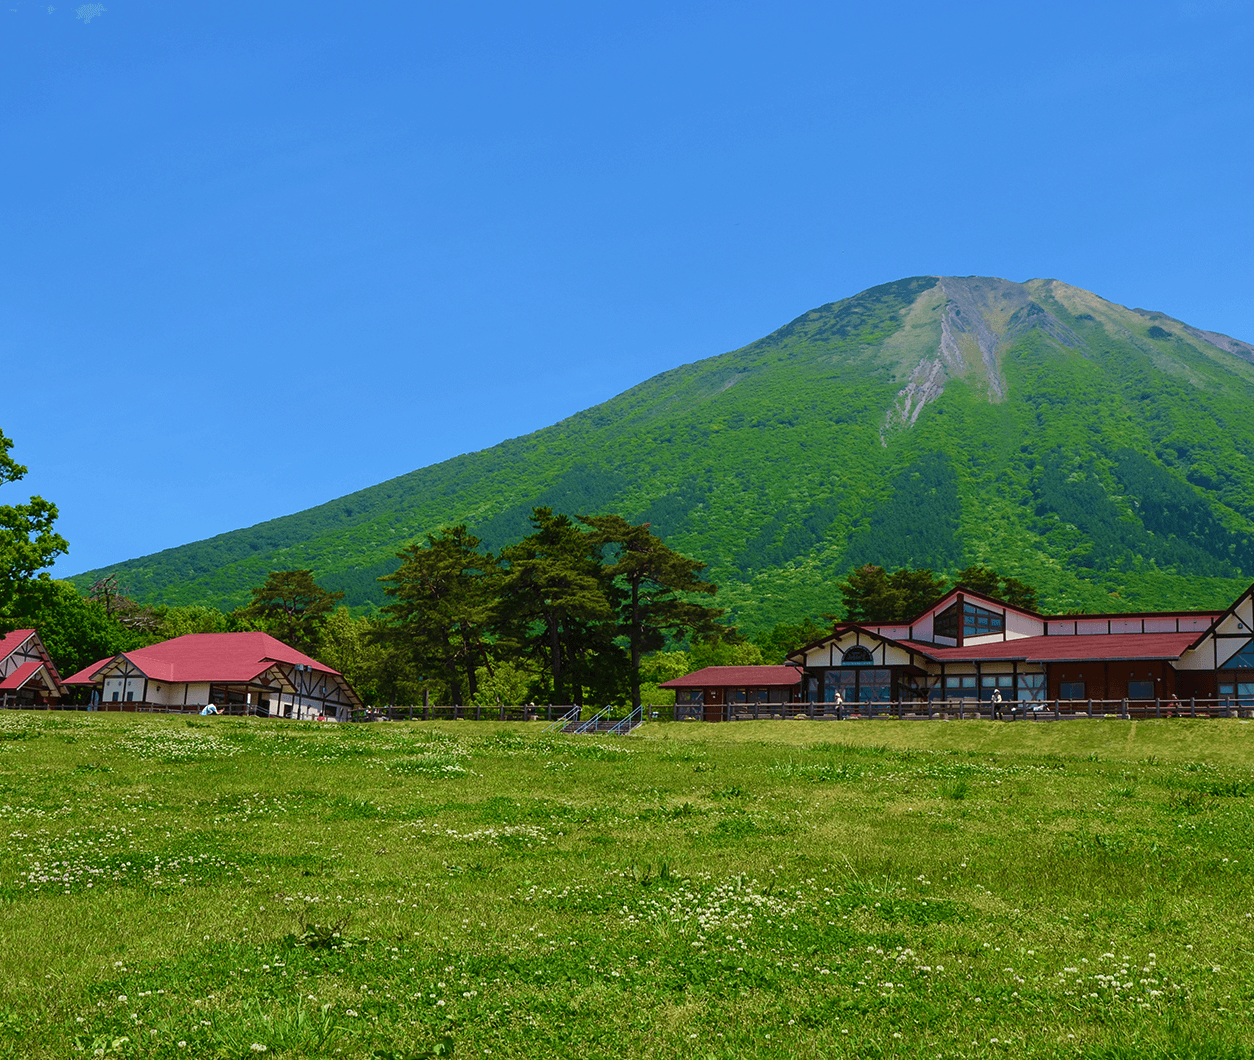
(771, 889)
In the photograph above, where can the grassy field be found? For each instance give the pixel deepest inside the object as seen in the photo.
(230, 887)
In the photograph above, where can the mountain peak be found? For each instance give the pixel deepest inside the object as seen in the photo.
(933, 421)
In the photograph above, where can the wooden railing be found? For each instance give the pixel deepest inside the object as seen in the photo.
(976, 709)
(903, 710)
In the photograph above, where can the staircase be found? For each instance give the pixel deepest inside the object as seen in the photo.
(603, 723)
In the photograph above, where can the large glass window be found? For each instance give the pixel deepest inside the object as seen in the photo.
(861, 685)
(976, 621)
(1004, 682)
(1032, 688)
(875, 686)
(843, 681)
(1071, 690)
(1140, 689)
(1243, 659)
(945, 624)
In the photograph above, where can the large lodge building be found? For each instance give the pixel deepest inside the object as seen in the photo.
(969, 647)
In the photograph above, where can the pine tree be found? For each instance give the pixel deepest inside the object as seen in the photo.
(292, 607)
(655, 581)
(557, 610)
(444, 602)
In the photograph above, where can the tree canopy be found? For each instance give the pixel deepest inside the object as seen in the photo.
(28, 542)
(872, 595)
(657, 584)
(557, 609)
(443, 603)
(292, 606)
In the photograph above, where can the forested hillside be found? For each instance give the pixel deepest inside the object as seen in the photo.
(1101, 453)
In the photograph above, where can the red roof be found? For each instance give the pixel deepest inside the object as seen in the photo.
(10, 642)
(1068, 648)
(21, 675)
(223, 658)
(87, 673)
(738, 677)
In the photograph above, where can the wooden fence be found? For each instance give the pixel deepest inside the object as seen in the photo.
(936, 710)
(976, 709)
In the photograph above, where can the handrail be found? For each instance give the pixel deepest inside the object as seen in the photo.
(591, 722)
(636, 717)
(564, 720)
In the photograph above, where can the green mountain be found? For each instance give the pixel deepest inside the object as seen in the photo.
(1104, 454)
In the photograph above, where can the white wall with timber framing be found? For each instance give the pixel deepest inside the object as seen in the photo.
(1232, 632)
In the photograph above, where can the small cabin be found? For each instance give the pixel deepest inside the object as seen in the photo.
(723, 689)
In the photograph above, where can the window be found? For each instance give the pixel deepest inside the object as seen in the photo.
(1004, 682)
(1243, 659)
(1071, 690)
(1244, 691)
(945, 624)
(116, 696)
(976, 622)
(1032, 688)
(843, 681)
(875, 686)
(1140, 689)
(130, 697)
(863, 685)
(979, 622)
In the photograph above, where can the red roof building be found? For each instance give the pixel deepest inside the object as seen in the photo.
(722, 688)
(28, 677)
(972, 648)
(241, 672)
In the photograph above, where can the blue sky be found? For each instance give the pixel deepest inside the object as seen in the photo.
(257, 256)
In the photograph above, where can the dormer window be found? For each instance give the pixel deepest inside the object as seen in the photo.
(976, 621)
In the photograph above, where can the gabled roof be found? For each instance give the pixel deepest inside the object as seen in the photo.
(839, 630)
(222, 658)
(87, 674)
(18, 638)
(1222, 615)
(738, 677)
(23, 674)
(967, 594)
(10, 642)
(1056, 648)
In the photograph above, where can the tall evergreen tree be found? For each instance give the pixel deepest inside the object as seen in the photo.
(556, 607)
(655, 581)
(871, 595)
(444, 602)
(293, 607)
